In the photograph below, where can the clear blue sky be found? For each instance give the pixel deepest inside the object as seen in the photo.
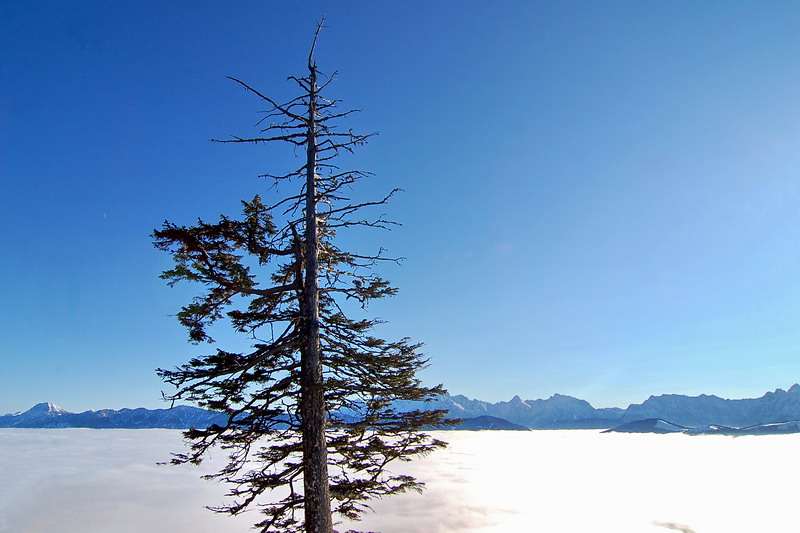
(602, 198)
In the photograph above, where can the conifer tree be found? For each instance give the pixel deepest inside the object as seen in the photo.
(312, 407)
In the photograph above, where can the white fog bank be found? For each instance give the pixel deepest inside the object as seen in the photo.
(97, 481)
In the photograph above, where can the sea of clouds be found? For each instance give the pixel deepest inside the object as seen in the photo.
(97, 481)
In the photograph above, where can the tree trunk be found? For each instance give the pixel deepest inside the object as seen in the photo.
(315, 451)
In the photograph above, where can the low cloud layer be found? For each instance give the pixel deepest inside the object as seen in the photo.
(95, 481)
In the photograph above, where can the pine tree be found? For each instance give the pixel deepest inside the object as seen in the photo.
(312, 411)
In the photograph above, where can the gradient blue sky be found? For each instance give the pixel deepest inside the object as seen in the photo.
(602, 198)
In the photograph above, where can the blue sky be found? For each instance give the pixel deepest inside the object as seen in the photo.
(601, 198)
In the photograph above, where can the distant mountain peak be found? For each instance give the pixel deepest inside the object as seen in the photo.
(43, 409)
(564, 398)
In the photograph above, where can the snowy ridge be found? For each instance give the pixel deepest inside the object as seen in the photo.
(653, 425)
(648, 425)
(775, 428)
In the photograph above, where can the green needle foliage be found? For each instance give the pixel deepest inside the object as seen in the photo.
(312, 416)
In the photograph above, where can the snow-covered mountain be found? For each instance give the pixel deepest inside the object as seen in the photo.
(489, 422)
(45, 411)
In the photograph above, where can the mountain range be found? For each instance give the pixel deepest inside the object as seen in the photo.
(567, 412)
(557, 412)
(48, 415)
(658, 425)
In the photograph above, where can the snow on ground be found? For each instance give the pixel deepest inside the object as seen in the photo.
(93, 481)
